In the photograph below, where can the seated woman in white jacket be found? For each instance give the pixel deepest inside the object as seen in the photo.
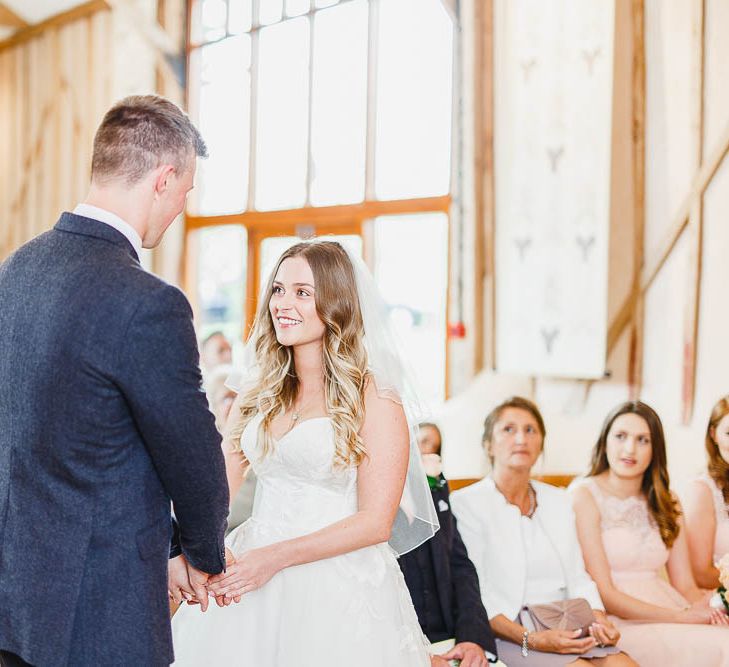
(521, 537)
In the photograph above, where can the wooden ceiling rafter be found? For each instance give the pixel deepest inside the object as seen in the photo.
(74, 14)
(9, 19)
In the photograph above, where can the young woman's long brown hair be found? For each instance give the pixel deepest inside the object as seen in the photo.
(656, 484)
(718, 468)
(344, 356)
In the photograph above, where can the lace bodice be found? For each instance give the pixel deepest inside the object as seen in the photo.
(631, 538)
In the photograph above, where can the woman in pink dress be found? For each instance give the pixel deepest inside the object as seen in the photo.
(630, 527)
(707, 502)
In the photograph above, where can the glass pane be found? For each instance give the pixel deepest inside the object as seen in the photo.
(239, 16)
(325, 3)
(339, 110)
(219, 257)
(274, 246)
(213, 16)
(223, 112)
(414, 98)
(414, 284)
(283, 92)
(297, 7)
(269, 11)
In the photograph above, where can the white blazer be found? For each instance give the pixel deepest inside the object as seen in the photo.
(491, 530)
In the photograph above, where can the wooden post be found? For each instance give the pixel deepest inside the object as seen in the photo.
(484, 213)
(635, 370)
(695, 221)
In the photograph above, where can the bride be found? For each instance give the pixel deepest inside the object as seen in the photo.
(323, 417)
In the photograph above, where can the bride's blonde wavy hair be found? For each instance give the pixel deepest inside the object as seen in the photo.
(343, 350)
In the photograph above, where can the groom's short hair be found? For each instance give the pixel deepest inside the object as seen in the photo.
(138, 134)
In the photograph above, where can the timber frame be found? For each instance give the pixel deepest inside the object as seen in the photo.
(688, 219)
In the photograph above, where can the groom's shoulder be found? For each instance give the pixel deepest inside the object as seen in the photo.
(150, 293)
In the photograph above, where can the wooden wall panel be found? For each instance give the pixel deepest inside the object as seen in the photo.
(57, 82)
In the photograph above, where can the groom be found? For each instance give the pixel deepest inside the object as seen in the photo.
(102, 416)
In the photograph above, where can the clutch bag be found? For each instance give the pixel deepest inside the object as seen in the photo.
(560, 615)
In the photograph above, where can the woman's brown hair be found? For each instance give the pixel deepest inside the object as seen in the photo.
(656, 484)
(343, 350)
(718, 468)
(519, 403)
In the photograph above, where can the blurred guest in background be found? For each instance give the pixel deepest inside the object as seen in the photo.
(522, 539)
(215, 350)
(630, 527)
(220, 398)
(707, 502)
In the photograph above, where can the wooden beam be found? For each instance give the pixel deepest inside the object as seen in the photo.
(696, 222)
(635, 363)
(82, 11)
(10, 19)
(680, 222)
(691, 311)
(324, 215)
(484, 214)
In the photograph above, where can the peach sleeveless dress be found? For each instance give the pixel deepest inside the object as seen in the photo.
(721, 511)
(637, 556)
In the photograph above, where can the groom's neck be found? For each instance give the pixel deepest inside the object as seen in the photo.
(125, 202)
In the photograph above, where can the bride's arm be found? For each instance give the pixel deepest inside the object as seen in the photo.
(236, 464)
(380, 482)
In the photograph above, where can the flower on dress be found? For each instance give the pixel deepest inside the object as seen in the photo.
(719, 600)
(723, 567)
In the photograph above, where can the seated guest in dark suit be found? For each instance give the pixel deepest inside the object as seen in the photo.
(442, 580)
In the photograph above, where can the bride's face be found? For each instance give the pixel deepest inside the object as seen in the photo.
(293, 304)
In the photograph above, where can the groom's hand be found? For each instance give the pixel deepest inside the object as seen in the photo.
(198, 579)
(178, 581)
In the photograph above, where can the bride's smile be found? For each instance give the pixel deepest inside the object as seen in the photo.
(293, 304)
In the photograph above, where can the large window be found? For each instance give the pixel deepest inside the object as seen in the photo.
(324, 117)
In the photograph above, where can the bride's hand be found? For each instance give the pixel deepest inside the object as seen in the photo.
(221, 600)
(252, 570)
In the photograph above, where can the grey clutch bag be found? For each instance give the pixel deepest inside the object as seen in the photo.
(560, 615)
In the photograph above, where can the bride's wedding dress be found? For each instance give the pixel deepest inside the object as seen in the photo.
(352, 610)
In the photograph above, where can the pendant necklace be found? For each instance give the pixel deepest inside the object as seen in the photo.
(532, 502)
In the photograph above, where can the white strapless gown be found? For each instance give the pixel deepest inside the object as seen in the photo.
(352, 610)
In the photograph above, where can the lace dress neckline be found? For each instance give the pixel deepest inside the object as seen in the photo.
(629, 512)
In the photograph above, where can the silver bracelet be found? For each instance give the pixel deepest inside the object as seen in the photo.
(525, 644)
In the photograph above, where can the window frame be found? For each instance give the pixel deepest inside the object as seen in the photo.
(307, 219)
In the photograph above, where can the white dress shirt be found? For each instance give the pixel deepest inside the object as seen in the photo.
(522, 564)
(113, 220)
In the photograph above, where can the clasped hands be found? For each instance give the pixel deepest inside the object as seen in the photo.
(186, 583)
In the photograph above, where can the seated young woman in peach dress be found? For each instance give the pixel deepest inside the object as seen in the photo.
(706, 502)
(630, 526)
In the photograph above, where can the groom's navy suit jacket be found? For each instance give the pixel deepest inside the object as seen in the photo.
(102, 423)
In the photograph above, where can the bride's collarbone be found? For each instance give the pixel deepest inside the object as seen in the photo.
(282, 424)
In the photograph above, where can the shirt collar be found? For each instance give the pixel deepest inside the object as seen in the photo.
(113, 220)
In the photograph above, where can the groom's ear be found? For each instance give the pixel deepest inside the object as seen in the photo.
(161, 181)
